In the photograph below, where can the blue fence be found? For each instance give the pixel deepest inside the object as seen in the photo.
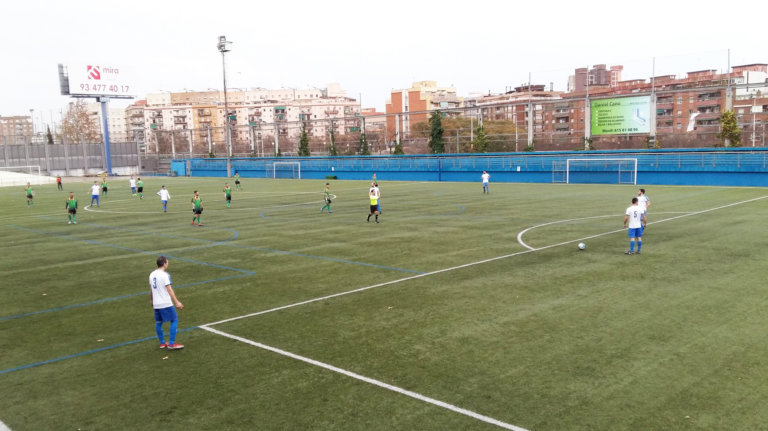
(732, 167)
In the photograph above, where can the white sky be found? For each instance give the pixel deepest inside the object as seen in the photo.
(369, 47)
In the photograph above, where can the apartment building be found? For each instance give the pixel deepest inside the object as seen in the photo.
(116, 117)
(196, 119)
(599, 75)
(413, 105)
(687, 110)
(15, 129)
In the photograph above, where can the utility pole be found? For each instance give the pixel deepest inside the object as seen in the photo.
(587, 116)
(222, 46)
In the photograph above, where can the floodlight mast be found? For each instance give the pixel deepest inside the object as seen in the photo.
(222, 46)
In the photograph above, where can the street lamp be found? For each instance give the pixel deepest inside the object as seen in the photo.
(222, 46)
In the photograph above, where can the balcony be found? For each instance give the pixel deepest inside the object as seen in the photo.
(708, 116)
(708, 103)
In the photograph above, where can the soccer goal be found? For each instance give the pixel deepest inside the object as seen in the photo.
(20, 175)
(284, 170)
(600, 171)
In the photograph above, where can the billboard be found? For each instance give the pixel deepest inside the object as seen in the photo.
(621, 116)
(98, 79)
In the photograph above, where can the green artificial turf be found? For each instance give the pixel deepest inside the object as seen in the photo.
(543, 337)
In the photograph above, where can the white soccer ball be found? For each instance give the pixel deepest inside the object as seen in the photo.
(582, 246)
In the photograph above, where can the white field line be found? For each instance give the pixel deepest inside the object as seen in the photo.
(375, 382)
(466, 265)
(523, 232)
(207, 327)
(520, 235)
(4, 427)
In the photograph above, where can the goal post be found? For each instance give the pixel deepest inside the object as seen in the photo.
(290, 170)
(20, 175)
(601, 171)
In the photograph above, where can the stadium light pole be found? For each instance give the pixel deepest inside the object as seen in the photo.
(222, 46)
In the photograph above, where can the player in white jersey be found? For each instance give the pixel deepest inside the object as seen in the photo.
(165, 196)
(634, 219)
(163, 300)
(133, 186)
(486, 177)
(95, 193)
(643, 202)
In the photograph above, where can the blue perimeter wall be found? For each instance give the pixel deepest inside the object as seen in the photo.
(731, 167)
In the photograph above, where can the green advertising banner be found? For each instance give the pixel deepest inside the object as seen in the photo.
(621, 116)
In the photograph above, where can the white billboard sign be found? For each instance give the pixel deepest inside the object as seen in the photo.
(99, 79)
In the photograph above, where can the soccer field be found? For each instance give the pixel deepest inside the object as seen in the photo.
(458, 311)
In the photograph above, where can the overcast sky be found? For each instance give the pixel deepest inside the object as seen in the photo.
(369, 47)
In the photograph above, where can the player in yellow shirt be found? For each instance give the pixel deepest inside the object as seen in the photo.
(373, 196)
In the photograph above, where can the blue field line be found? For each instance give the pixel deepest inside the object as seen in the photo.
(115, 298)
(164, 235)
(227, 243)
(87, 352)
(135, 250)
(331, 259)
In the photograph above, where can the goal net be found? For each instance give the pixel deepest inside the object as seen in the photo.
(600, 171)
(290, 170)
(21, 175)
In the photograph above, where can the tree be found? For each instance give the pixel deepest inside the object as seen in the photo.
(436, 144)
(363, 146)
(78, 124)
(730, 135)
(332, 144)
(303, 142)
(399, 148)
(48, 135)
(481, 141)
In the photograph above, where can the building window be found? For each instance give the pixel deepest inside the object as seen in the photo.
(679, 112)
(679, 100)
(679, 126)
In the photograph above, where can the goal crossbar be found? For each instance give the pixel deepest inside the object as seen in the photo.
(291, 170)
(629, 165)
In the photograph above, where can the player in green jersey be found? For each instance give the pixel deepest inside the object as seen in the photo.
(71, 207)
(104, 188)
(227, 193)
(140, 185)
(237, 181)
(197, 208)
(327, 199)
(30, 195)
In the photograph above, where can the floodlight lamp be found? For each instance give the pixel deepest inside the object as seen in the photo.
(222, 45)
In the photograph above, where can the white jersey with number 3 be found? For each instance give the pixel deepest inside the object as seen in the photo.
(635, 217)
(158, 281)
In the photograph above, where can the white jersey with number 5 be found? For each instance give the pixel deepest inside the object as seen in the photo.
(635, 217)
(158, 281)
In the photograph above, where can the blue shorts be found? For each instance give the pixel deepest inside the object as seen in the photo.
(635, 232)
(164, 202)
(167, 314)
